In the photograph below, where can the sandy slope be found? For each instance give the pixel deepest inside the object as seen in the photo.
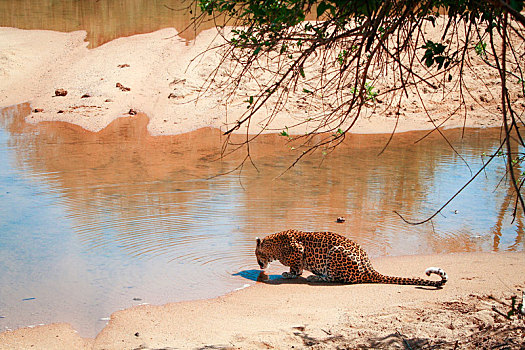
(281, 314)
(168, 80)
(155, 73)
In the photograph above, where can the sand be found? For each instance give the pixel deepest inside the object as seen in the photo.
(162, 76)
(158, 74)
(295, 314)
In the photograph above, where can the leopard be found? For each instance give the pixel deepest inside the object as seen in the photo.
(330, 257)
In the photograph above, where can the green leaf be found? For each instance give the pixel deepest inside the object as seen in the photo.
(321, 8)
(301, 71)
(429, 61)
(440, 61)
(516, 5)
(481, 49)
(249, 101)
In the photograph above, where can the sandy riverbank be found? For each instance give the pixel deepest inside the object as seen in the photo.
(281, 314)
(162, 76)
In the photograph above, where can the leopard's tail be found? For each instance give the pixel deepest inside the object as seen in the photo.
(379, 278)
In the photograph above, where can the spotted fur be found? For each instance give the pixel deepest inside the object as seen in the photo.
(330, 257)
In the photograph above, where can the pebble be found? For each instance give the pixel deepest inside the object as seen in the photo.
(122, 87)
(60, 92)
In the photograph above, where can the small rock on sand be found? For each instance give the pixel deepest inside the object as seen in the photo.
(60, 92)
(122, 87)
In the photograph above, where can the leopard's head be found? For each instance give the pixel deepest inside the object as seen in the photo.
(263, 258)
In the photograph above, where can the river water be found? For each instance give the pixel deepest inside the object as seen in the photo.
(103, 20)
(94, 222)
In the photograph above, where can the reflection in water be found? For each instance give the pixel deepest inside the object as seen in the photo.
(103, 20)
(93, 222)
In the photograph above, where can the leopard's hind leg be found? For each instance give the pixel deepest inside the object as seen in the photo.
(342, 266)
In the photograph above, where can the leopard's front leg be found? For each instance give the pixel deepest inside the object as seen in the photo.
(294, 259)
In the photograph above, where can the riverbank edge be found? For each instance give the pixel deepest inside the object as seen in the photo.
(277, 313)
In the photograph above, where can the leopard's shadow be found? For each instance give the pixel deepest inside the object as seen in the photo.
(253, 275)
(301, 280)
(256, 276)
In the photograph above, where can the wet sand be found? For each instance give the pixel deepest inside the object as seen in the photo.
(155, 73)
(281, 314)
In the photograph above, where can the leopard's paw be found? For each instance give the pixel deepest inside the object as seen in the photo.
(289, 275)
(316, 278)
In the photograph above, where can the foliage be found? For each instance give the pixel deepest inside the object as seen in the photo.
(481, 49)
(337, 52)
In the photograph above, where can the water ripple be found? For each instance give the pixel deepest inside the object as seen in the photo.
(105, 222)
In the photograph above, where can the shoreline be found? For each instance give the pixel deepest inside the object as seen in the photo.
(281, 313)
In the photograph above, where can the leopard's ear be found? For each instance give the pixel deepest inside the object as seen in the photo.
(258, 241)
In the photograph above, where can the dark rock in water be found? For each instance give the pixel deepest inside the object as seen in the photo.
(60, 92)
